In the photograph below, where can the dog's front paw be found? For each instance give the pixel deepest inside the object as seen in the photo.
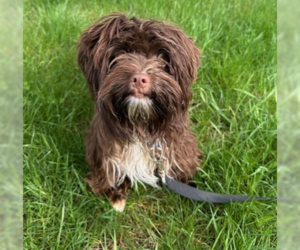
(119, 205)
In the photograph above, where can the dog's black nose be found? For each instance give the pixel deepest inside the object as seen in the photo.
(140, 80)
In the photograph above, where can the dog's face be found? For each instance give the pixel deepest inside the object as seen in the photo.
(139, 72)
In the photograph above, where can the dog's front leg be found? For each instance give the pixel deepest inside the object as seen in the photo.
(116, 193)
(185, 156)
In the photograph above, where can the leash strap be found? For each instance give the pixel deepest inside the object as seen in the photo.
(200, 195)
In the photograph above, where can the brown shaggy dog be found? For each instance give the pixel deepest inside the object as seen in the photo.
(139, 73)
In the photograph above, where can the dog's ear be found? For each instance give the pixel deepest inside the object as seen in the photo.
(93, 48)
(183, 55)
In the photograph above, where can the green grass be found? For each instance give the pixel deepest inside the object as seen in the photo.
(233, 113)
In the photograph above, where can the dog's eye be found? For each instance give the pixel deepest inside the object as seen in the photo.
(165, 65)
(164, 55)
(113, 58)
(118, 52)
(167, 68)
(112, 62)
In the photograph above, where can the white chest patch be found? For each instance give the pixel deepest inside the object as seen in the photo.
(139, 163)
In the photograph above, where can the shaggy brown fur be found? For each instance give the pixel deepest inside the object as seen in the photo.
(139, 73)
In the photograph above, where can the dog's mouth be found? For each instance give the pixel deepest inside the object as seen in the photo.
(139, 108)
(139, 95)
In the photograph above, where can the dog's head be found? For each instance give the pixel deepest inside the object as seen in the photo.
(138, 71)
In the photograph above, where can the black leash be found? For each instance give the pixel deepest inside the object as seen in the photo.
(200, 195)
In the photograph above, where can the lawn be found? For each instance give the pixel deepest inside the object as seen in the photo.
(234, 117)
